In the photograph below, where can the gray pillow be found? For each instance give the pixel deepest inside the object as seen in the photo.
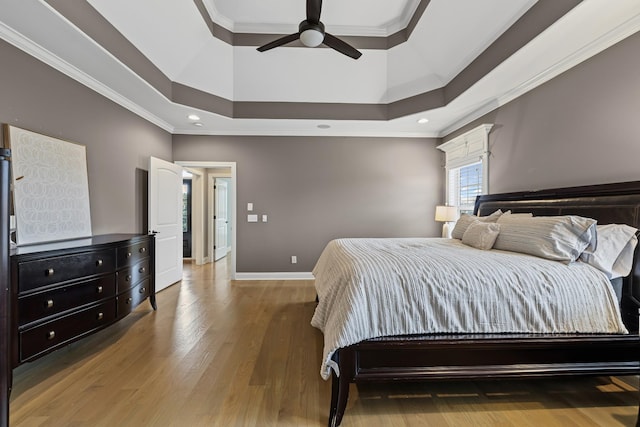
(559, 238)
(465, 220)
(481, 235)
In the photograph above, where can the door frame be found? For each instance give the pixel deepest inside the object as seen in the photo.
(211, 179)
(199, 227)
(197, 215)
(189, 212)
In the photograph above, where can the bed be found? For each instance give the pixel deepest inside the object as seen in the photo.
(490, 353)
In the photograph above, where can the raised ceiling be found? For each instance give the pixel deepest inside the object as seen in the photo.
(449, 61)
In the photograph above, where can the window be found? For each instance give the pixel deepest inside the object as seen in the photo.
(464, 184)
(467, 168)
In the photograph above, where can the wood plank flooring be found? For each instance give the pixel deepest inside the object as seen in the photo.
(221, 353)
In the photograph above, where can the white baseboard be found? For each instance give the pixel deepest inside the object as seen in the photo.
(275, 276)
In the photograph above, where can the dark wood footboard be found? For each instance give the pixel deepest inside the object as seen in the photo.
(480, 357)
(511, 356)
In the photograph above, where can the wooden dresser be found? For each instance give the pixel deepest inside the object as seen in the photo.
(64, 291)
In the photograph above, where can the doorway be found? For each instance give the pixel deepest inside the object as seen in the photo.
(186, 217)
(203, 211)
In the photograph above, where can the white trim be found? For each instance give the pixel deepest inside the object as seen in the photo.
(311, 132)
(197, 216)
(389, 28)
(466, 149)
(211, 179)
(234, 186)
(26, 45)
(275, 276)
(610, 38)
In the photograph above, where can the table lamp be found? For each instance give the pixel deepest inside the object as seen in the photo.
(446, 214)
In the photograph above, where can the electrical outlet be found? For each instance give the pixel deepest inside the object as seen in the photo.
(294, 259)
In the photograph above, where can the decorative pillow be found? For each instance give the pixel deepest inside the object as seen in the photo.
(559, 238)
(481, 235)
(614, 253)
(527, 214)
(465, 220)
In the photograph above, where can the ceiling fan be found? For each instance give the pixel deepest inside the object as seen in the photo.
(311, 33)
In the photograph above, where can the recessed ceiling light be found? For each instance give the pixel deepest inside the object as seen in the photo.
(193, 117)
(198, 124)
(323, 126)
(423, 120)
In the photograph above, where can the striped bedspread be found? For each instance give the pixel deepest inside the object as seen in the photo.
(379, 287)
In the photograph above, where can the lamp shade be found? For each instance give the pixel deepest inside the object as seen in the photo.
(446, 213)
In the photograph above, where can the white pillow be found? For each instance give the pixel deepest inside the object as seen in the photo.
(481, 235)
(614, 252)
(465, 220)
(559, 238)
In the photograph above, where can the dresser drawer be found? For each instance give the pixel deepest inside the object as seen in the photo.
(48, 271)
(129, 300)
(57, 300)
(65, 329)
(131, 254)
(130, 276)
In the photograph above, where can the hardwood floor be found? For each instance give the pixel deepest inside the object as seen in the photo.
(221, 353)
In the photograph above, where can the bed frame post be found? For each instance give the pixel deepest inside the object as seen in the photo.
(340, 386)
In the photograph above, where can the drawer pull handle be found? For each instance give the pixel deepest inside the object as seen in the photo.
(142, 290)
(99, 263)
(129, 300)
(143, 250)
(100, 316)
(128, 278)
(142, 270)
(49, 303)
(99, 289)
(49, 272)
(51, 335)
(128, 254)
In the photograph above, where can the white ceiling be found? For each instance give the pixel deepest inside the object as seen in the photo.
(449, 36)
(353, 17)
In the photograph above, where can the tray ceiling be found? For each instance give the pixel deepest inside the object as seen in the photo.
(448, 61)
(354, 17)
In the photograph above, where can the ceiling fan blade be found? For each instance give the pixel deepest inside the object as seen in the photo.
(314, 7)
(335, 43)
(279, 42)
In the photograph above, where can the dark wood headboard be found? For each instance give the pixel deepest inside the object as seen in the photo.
(617, 203)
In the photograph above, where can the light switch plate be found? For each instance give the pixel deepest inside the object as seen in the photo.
(249, 207)
(264, 218)
(252, 218)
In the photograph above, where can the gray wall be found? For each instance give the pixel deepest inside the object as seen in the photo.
(581, 128)
(317, 189)
(36, 97)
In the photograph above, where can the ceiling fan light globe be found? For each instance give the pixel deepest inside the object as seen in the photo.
(311, 38)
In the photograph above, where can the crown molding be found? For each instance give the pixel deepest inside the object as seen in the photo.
(28, 46)
(619, 33)
(399, 23)
(307, 132)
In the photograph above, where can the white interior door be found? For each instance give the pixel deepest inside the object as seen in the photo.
(165, 218)
(221, 218)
